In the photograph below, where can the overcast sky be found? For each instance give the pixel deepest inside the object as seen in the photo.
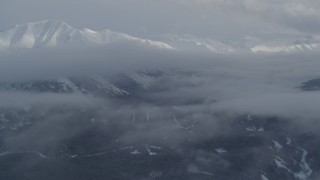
(153, 18)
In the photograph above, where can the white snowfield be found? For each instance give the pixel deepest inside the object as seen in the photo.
(51, 33)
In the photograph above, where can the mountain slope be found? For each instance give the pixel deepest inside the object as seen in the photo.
(287, 47)
(50, 33)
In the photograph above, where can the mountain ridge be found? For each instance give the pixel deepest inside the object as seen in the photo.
(52, 33)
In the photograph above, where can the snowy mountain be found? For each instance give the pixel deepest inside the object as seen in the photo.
(247, 45)
(195, 44)
(302, 46)
(286, 46)
(50, 33)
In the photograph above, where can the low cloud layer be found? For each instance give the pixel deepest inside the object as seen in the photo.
(211, 111)
(25, 100)
(242, 83)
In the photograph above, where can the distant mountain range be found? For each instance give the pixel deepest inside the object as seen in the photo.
(51, 33)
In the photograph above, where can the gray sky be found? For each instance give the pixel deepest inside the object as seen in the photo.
(153, 18)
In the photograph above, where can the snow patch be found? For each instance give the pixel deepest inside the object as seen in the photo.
(150, 152)
(135, 152)
(194, 169)
(305, 171)
(281, 164)
(288, 141)
(220, 150)
(263, 177)
(277, 146)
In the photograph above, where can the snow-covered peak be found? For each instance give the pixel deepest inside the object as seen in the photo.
(51, 33)
(300, 45)
(287, 46)
(43, 33)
